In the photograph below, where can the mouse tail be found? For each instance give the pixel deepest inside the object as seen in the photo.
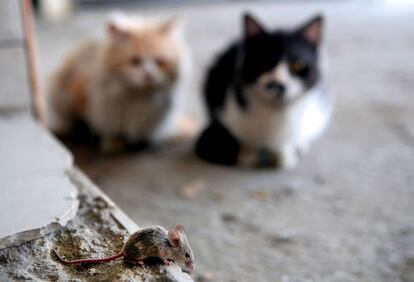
(90, 260)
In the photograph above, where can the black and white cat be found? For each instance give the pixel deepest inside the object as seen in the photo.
(266, 98)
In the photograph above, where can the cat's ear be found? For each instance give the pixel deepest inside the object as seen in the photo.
(312, 30)
(251, 26)
(169, 25)
(115, 27)
(116, 33)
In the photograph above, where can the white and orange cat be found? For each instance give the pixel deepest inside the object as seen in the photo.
(125, 87)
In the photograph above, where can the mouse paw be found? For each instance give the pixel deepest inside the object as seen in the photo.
(140, 262)
(168, 262)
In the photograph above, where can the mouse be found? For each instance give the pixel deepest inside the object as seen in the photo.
(171, 246)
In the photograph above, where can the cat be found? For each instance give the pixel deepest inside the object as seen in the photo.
(266, 97)
(125, 87)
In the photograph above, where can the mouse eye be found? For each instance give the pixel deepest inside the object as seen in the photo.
(187, 255)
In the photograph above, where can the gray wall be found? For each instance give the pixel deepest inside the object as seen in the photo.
(14, 82)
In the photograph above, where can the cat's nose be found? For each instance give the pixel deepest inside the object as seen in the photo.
(148, 77)
(276, 87)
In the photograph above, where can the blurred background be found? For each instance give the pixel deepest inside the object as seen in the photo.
(346, 213)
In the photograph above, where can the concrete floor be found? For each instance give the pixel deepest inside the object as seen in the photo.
(345, 214)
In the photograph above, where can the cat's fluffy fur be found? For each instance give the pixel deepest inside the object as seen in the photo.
(125, 86)
(266, 98)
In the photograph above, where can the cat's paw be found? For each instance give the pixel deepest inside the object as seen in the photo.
(288, 158)
(185, 129)
(59, 124)
(266, 158)
(302, 149)
(259, 158)
(188, 126)
(112, 146)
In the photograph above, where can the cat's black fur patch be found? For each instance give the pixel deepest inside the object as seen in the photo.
(240, 65)
(259, 54)
(217, 145)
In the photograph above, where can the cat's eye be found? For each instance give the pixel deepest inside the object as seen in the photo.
(187, 255)
(162, 63)
(135, 61)
(297, 66)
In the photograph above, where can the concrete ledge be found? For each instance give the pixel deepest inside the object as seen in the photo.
(33, 210)
(37, 195)
(99, 229)
(41, 193)
(82, 181)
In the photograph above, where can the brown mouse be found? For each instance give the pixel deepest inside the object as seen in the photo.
(155, 241)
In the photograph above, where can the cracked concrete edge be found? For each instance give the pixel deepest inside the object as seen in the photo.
(60, 221)
(69, 158)
(71, 213)
(176, 274)
(32, 234)
(79, 179)
(28, 235)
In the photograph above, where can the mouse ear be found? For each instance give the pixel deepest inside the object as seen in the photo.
(174, 238)
(179, 228)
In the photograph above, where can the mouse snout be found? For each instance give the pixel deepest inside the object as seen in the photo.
(190, 266)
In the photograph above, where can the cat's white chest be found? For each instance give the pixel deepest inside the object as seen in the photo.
(251, 125)
(303, 121)
(135, 118)
(261, 125)
(314, 114)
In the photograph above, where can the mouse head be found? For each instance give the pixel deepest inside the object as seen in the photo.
(180, 250)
